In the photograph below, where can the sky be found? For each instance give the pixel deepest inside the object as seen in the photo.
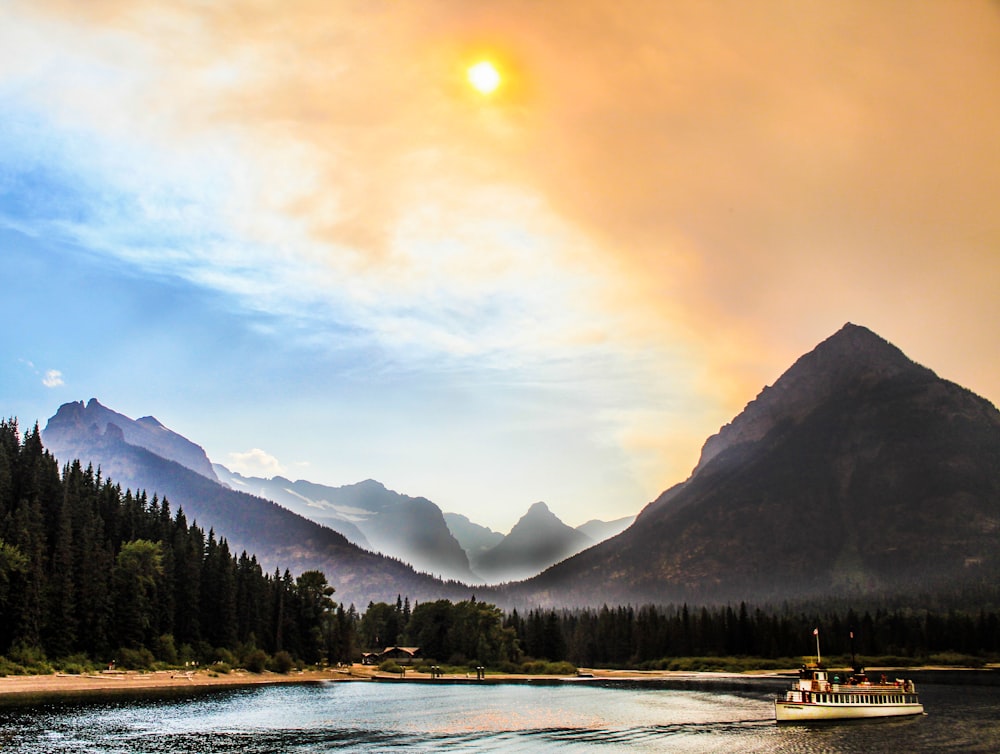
(295, 234)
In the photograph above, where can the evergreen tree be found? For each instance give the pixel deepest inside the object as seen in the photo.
(135, 578)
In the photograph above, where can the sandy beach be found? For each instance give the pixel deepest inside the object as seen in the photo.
(17, 686)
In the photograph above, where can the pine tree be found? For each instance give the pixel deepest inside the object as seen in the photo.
(137, 573)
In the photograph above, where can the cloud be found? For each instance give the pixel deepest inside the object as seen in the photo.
(255, 462)
(53, 378)
(694, 192)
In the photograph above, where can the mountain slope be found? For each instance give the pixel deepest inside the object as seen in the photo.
(473, 538)
(537, 540)
(279, 537)
(858, 472)
(76, 419)
(371, 516)
(278, 490)
(598, 531)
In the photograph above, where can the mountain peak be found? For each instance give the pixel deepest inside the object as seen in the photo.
(76, 425)
(538, 508)
(858, 472)
(851, 359)
(536, 541)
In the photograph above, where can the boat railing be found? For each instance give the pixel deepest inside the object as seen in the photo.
(905, 687)
(900, 686)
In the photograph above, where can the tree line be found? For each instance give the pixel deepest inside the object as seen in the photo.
(649, 636)
(87, 569)
(628, 636)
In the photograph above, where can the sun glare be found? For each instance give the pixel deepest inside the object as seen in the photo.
(484, 77)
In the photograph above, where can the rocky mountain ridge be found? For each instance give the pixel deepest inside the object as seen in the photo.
(76, 423)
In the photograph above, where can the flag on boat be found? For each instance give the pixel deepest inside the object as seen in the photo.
(815, 632)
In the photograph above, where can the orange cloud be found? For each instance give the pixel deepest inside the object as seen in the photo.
(728, 181)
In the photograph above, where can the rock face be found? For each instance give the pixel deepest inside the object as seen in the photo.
(537, 540)
(858, 472)
(78, 424)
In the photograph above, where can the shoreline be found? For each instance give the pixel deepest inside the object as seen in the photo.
(21, 687)
(27, 688)
(24, 688)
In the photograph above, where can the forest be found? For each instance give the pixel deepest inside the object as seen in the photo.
(90, 573)
(104, 575)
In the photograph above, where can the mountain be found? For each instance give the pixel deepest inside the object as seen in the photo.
(537, 540)
(598, 531)
(278, 537)
(76, 420)
(474, 538)
(279, 490)
(412, 529)
(858, 472)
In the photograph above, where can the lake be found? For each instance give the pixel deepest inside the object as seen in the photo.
(701, 715)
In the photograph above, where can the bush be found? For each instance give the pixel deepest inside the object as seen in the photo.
(135, 659)
(887, 661)
(30, 660)
(165, 650)
(721, 664)
(390, 666)
(77, 664)
(9, 668)
(541, 667)
(222, 668)
(282, 662)
(955, 659)
(255, 660)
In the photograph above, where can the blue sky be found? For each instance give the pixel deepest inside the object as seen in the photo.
(294, 234)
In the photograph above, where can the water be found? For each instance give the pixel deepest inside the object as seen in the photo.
(375, 717)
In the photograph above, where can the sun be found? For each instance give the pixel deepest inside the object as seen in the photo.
(484, 77)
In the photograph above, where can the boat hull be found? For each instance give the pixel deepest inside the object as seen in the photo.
(796, 712)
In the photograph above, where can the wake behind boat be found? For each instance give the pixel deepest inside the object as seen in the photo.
(819, 696)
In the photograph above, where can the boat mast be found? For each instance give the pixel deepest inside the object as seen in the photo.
(818, 658)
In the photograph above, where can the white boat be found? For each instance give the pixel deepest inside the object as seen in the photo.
(819, 696)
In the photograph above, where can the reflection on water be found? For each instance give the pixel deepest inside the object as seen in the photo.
(413, 717)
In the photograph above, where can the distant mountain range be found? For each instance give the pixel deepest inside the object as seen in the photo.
(416, 531)
(858, 472)
(369, 516)
(537, 540)
(278, 537)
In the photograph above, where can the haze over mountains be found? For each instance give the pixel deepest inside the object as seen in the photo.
(368, 515)
(278, 537)
(858, 472)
